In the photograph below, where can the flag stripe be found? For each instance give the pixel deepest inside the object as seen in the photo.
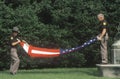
(44, 52)
(40, 52)
(26, 48)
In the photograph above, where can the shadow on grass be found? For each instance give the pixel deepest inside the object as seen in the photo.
(93, 72)
(87, 71)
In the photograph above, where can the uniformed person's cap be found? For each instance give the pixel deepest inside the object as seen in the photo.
(16, 29)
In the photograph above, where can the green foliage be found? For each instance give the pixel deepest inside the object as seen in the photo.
(56, 24)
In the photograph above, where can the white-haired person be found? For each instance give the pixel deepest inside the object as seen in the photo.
(103, 37)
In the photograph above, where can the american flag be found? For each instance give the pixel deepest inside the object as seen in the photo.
(48, 53)
(63, 51)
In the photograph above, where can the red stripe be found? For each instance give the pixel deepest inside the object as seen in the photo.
(45, 49)
(44, 56)
(41, 49)
(22, 43)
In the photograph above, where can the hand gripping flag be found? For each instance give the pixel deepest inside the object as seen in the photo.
(49, 53)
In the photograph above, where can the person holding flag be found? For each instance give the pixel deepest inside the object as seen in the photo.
(103, 37)
(14, 41)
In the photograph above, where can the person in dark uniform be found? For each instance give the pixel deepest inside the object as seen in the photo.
(103, 37)
(14, 41)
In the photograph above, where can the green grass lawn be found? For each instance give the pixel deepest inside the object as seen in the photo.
(57, 73)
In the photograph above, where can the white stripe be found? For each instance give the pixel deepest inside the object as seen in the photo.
(26, 47)
(43, 52)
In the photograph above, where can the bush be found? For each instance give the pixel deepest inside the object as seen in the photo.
(56, 24)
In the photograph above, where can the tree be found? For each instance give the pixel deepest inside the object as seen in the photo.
(56, 24)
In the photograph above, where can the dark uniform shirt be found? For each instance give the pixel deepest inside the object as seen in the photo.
(12, 40)
(103, 25)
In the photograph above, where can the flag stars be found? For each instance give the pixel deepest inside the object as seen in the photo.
(82, 46)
